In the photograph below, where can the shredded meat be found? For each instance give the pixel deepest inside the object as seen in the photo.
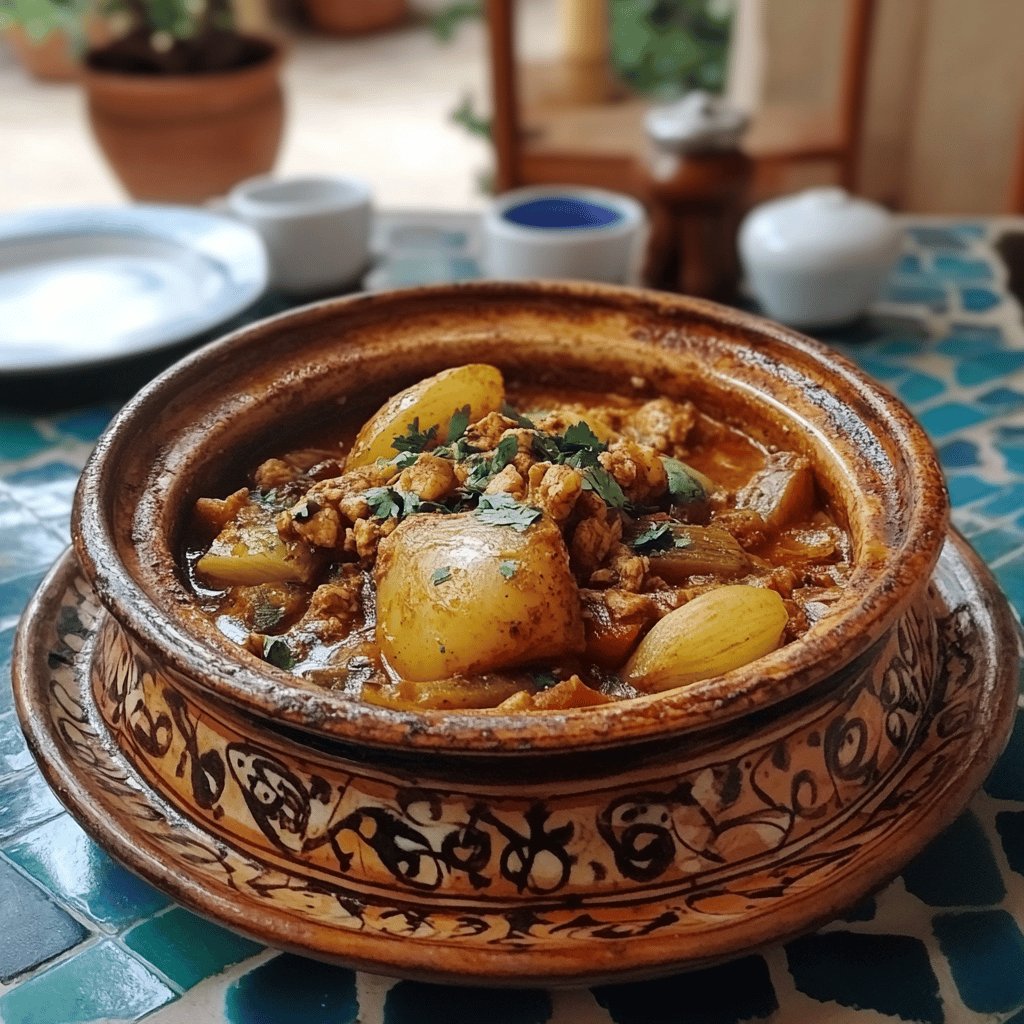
(592, 540)
(508, 481)
(486, 433)
(364, 535)
(554, 489)
(636, 469)
(335, 607)
(430, 477)
(662, 424)
(216, 513)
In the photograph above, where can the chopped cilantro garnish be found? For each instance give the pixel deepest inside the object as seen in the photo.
(266, 616)
(441, 575)
(682, 484)
(508, 567)
(504, 510)
(271, 500)
(384, 502)
(604, 485)
(659, 537)
(414, 439)
(504, 453)
(305, 510)
(579, 435)
(546, 446)
(403, 460)
(514, 414)
(278, 653)
(543, 680)
(458, 423)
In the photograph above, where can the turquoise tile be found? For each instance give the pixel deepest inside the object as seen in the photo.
(14, 755)
(997, 543)
(741, 990)
(15, 593)
(958, 454)
(20, 438)
(879, 368)
(46, 490)
(966, 487)
(102, 983)
(1010, 825)
(1006, 780)
(25, 800)
(903, 347)
(413, 1002)
(34, 929)
(932, 296)
(292, 990)
(890, 974)
(1003, 398)
(6, 645)
(957, 869)
(71, 866)
(989, 366)
(970, 340)
(985, 950)
(85, 424)
(978, 300)
(187, 949)
(937, 238)
(950, 416)
(920, 387)
(26, 543)
(960, 268)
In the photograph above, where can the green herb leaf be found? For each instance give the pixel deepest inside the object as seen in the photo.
(546, 446)
(579, 435)
(682, 485)
(543, 680)
(604, 485)
(304, 510)
(514, 414)
(266, 616)
(508, 568)
(278, 653)
(384, 502)
(414, 439)
(441, 575)
(403, 460)
(504, 453)
(272, 500)
(458, 423)
(504, 510)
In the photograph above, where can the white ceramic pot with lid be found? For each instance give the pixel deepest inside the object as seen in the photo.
(817, 258)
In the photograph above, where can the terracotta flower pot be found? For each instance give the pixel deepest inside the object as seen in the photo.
(186, 138)
(354, 17)
(48, 58)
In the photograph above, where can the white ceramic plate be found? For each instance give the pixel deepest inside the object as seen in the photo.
(90, 285)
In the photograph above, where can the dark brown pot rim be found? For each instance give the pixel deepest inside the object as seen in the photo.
(897, 576)
(111, 79)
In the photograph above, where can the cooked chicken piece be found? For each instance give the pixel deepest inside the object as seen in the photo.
(335, 607)
(364, 535)
(275, 473)
(508, 481)
(637, 469)
(593, 539)
(216, 513)
(625, 570)
(662, 424)
(431, 477)
(554, 489)
(487, 432)
(782, 492)
(267, 606)
(322, 528)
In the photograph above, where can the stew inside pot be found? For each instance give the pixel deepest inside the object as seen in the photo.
(529, 550)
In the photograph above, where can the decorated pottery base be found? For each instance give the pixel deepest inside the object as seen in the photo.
(687, 857)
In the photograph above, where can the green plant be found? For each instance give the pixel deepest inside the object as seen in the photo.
(664, 48)
(39, 18)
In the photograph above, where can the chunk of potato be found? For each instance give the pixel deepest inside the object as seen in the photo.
(433, 402)
(716, 632)
(459, 596)
(702, 551)
(249, 551)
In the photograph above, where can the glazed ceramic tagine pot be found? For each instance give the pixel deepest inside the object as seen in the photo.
(618, 841)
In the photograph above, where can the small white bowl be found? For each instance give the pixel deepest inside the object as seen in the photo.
(316, 229)
(603, 242)
(817, 258)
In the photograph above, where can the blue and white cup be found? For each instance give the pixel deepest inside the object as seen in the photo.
(564, 231)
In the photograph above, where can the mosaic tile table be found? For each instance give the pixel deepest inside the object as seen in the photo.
(82, 940)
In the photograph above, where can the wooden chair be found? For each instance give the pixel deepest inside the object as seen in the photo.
(604, 144)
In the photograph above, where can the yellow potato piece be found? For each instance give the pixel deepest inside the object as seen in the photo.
(445, 608)
(433, 402)
(716, 632)
(250, 551)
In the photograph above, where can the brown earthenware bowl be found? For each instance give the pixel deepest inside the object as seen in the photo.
(519, 847)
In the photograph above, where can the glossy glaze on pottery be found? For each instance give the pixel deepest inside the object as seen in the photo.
(522, 881)
(337, 358)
